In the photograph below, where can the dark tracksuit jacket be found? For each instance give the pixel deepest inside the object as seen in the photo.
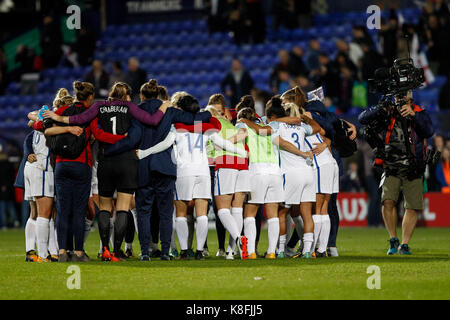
(27, 150)
(157, 172)
(326, 120)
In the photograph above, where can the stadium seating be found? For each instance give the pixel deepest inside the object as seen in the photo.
(183, 56)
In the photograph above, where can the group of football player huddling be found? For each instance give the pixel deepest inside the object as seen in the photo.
(160, 166)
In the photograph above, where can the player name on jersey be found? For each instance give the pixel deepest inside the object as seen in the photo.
(110, 109)
(291, 126)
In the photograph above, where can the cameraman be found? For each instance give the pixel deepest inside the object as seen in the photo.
(404, 127)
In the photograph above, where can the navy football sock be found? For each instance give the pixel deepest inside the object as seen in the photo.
(120, 227)
(103, 227)
(129, 235)
(294, 240)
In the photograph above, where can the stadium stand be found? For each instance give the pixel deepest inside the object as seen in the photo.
(183, 56)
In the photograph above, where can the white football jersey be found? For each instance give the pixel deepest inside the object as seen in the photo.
(41, 151)
(295, 134)
(190, 154)
(323, 158)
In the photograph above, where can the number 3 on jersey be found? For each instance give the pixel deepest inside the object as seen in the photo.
(198, 143)
(295, 137)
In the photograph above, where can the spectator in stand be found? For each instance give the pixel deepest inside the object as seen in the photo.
(303, 82)
(327, 75)
(25, 57)
(437, 36)
(7, 173)
(359, 92)
(118, 75)
(343, 61)
(388, 37)
(439, 142)
(245, 18)
(355, 52)
(441, 8)
(99, 77)
(291, 62)
(304, 13)
(285, 13)
(283, 65)
(430, 173)
(296, 64)
(237, 21)
(432, 30)
(51, 40)
(370, 61)
(217, 11)
(256, 20)
(328, 103)
(444, 48)
(237, 83)
(345, 88)
(261, 98)
(443, 171)
(350, 181)
(444, 95)
(348, 54)
(136, 77)
(427, 10)
(342, 46)
(85, 46)
(447, 144)
(3, 72)
(312, 56)
(361, 36)
(284, 81)
(260, 107)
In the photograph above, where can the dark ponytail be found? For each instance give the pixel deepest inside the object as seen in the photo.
(163, 94)
(246, 102)
(189, 104)
(275, 108)
(150, 89)
(247, 113)
(83, 90)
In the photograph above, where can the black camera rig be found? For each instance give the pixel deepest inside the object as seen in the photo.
(402, 77)
(393, 83)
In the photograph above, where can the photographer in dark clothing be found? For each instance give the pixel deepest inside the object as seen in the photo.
(403, 127)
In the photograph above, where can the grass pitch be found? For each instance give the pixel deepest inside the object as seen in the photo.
(424, 275)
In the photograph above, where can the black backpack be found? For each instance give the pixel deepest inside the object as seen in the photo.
(68, 145)
(342, 142)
